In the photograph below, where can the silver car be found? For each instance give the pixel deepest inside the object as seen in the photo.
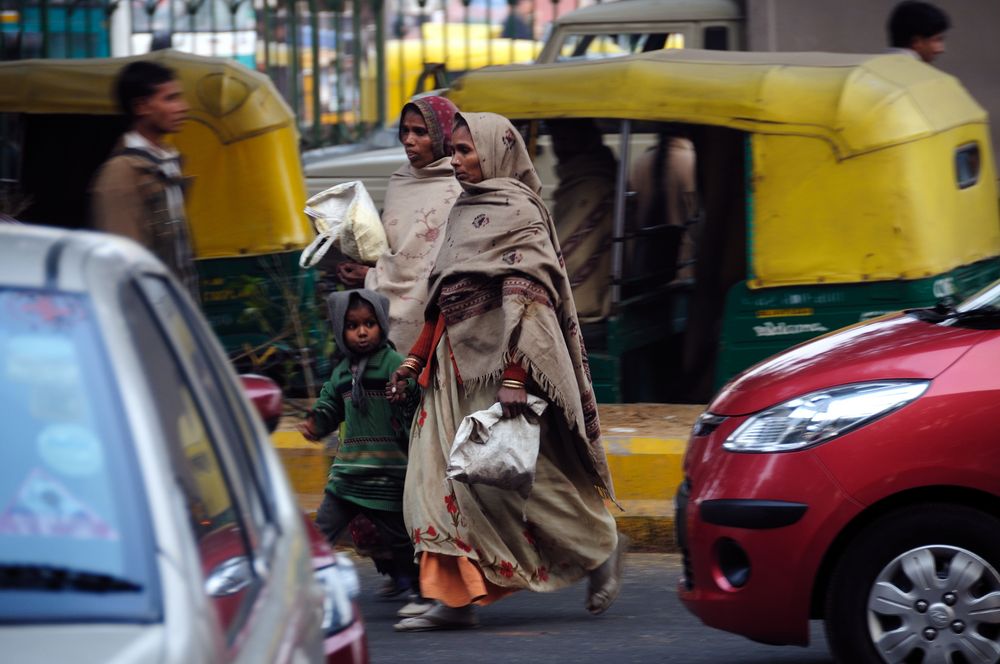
(144, 515)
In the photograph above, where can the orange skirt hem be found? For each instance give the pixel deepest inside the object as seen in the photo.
(457, 581)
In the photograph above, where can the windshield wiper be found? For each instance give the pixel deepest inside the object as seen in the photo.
(50, 577)
(946, 312)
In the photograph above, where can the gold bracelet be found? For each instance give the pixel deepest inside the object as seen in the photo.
(412, 364)
(513, 384)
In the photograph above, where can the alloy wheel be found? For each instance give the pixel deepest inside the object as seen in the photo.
(936, 605)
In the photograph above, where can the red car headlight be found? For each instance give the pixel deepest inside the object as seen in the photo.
(822, 415)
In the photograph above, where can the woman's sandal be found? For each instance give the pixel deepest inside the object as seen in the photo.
(415, 607)
(440, 617)
(606, 580)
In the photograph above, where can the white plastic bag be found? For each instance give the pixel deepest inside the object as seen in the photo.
(345, 218)
(489, 449)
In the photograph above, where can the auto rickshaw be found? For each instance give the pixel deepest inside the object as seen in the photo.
(240, 149)
(834, 188)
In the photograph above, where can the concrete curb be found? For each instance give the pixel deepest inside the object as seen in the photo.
(646, 472)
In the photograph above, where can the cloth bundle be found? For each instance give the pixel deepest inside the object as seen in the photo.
(345, 217)
(489, 449)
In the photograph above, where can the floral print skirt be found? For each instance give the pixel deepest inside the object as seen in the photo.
(563, 531)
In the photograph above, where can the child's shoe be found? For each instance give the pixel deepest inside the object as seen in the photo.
(393, 588)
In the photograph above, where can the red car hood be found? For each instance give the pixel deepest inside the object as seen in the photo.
(900, 346)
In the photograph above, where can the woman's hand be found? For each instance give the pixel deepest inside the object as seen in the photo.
(395, 389)
(352, 275)
(513, 401)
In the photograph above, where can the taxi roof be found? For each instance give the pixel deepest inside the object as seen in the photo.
(233, 100)
(858, 102)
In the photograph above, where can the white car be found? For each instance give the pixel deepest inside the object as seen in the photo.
(144, 516)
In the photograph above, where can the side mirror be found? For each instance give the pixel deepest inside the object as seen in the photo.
(266, 397)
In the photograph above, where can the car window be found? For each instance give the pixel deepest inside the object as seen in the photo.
(227, 408)
(215, 519)
(596, 46)
(715, 38)
(73, 517)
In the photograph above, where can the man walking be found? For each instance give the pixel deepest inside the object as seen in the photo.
(918, 28)
(138, 191)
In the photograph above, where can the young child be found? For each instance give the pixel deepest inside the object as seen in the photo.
(369, 469)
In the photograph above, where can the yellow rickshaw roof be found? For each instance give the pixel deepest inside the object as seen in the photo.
(857, 102)
(234, 101)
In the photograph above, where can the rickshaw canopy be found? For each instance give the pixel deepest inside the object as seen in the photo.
(853, 156)
(857, 102)
(240, 144)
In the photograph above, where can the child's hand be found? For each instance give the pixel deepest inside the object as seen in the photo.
(308, 429)
(395, 389)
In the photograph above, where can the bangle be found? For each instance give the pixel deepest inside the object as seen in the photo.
(513, 384)
(412, 364)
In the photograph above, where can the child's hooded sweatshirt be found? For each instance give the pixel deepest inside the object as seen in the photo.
(370, 466)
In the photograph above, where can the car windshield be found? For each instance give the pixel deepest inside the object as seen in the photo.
(75, 542)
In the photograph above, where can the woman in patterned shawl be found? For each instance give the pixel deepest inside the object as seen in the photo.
(417, 202)
(501, 322)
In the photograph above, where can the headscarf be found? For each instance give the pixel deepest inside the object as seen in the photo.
(417, 203)
(502, 154)
(338, 303)
(438, 114)
(500, 283)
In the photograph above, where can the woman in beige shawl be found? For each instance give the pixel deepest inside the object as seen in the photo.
(501, 322)
(417, 202)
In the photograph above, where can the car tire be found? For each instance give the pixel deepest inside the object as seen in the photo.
(874, 607)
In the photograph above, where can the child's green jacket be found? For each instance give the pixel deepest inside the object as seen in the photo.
(370, 466)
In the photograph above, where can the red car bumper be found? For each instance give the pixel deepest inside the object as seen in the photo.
(753, 530)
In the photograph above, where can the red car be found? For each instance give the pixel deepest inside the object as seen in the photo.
(856, 479)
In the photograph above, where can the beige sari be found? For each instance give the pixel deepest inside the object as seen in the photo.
(417, 203)
(501, 286)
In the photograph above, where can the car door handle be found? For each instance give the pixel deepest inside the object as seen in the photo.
(229, 577)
